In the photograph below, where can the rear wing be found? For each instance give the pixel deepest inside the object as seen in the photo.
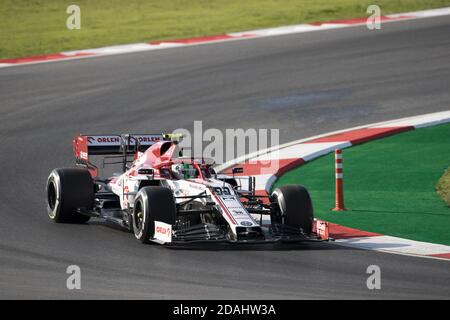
(113, 145)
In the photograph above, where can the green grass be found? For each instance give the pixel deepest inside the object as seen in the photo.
(390, 185)
(443, 186)
(29, 27)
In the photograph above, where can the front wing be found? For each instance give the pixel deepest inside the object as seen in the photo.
(209, 233)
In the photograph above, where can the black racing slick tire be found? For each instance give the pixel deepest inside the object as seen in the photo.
(295, 206)
(153, 203)
(67, 190)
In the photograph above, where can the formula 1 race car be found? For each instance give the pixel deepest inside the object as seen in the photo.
(163, 197)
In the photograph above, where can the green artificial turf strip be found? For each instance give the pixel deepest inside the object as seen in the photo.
(389, 184)
(31, 27)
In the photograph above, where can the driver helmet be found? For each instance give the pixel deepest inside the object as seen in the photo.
(184, 171)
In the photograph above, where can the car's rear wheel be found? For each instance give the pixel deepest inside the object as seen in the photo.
(67, 190)
(295, 206)
(152, 204)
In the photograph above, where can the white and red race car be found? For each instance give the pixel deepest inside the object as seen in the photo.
(163, 197)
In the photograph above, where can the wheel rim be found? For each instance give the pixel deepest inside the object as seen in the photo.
(51, 199)
(279, 215)
(138, 218)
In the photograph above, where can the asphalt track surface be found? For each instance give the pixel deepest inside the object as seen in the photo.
(304, 84)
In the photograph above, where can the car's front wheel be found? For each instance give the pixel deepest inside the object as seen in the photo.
(295, 207)
(152, 204)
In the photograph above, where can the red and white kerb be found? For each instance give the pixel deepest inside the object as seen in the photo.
(339, 181)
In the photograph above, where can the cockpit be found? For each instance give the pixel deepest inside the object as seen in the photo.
(192, 168)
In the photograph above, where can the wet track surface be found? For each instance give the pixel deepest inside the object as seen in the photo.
(304, 84)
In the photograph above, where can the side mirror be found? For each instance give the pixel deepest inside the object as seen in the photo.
(145, 171)
(237, 170)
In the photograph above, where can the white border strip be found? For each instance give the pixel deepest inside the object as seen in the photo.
(245, 35)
